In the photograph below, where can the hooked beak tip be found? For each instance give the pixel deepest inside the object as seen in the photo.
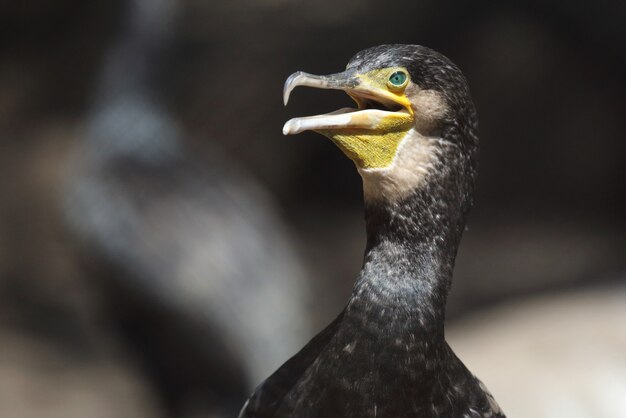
(339, 81)
(290, 84)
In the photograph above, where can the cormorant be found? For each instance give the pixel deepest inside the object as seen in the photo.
(414, 142)
(190, 251)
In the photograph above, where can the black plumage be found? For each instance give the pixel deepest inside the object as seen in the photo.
(385, 355)
(189, 251)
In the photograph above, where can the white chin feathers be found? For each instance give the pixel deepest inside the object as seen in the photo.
(415, 159)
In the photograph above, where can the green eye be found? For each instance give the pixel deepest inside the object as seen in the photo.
(398, 79)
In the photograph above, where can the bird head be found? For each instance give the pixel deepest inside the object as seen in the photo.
(411, 102)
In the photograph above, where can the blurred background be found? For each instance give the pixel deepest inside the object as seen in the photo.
(163, 246)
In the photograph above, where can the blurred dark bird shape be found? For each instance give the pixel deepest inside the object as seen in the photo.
(414, 141)
(201, 277)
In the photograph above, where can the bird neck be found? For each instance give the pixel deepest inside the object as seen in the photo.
(412, 243)
(127, 120)
(133, 65)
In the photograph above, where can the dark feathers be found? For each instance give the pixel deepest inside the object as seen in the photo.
(386, 355)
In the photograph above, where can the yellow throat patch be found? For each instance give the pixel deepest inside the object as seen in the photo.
(370, 135)
(373, 148)
(376, 147)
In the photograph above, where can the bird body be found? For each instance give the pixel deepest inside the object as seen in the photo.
(189, 252)
(385, 355)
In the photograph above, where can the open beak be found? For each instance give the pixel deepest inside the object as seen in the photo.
(375, 105)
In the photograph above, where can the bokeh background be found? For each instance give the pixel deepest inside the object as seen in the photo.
(538, 305)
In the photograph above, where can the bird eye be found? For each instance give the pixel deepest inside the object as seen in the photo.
(397, 79)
